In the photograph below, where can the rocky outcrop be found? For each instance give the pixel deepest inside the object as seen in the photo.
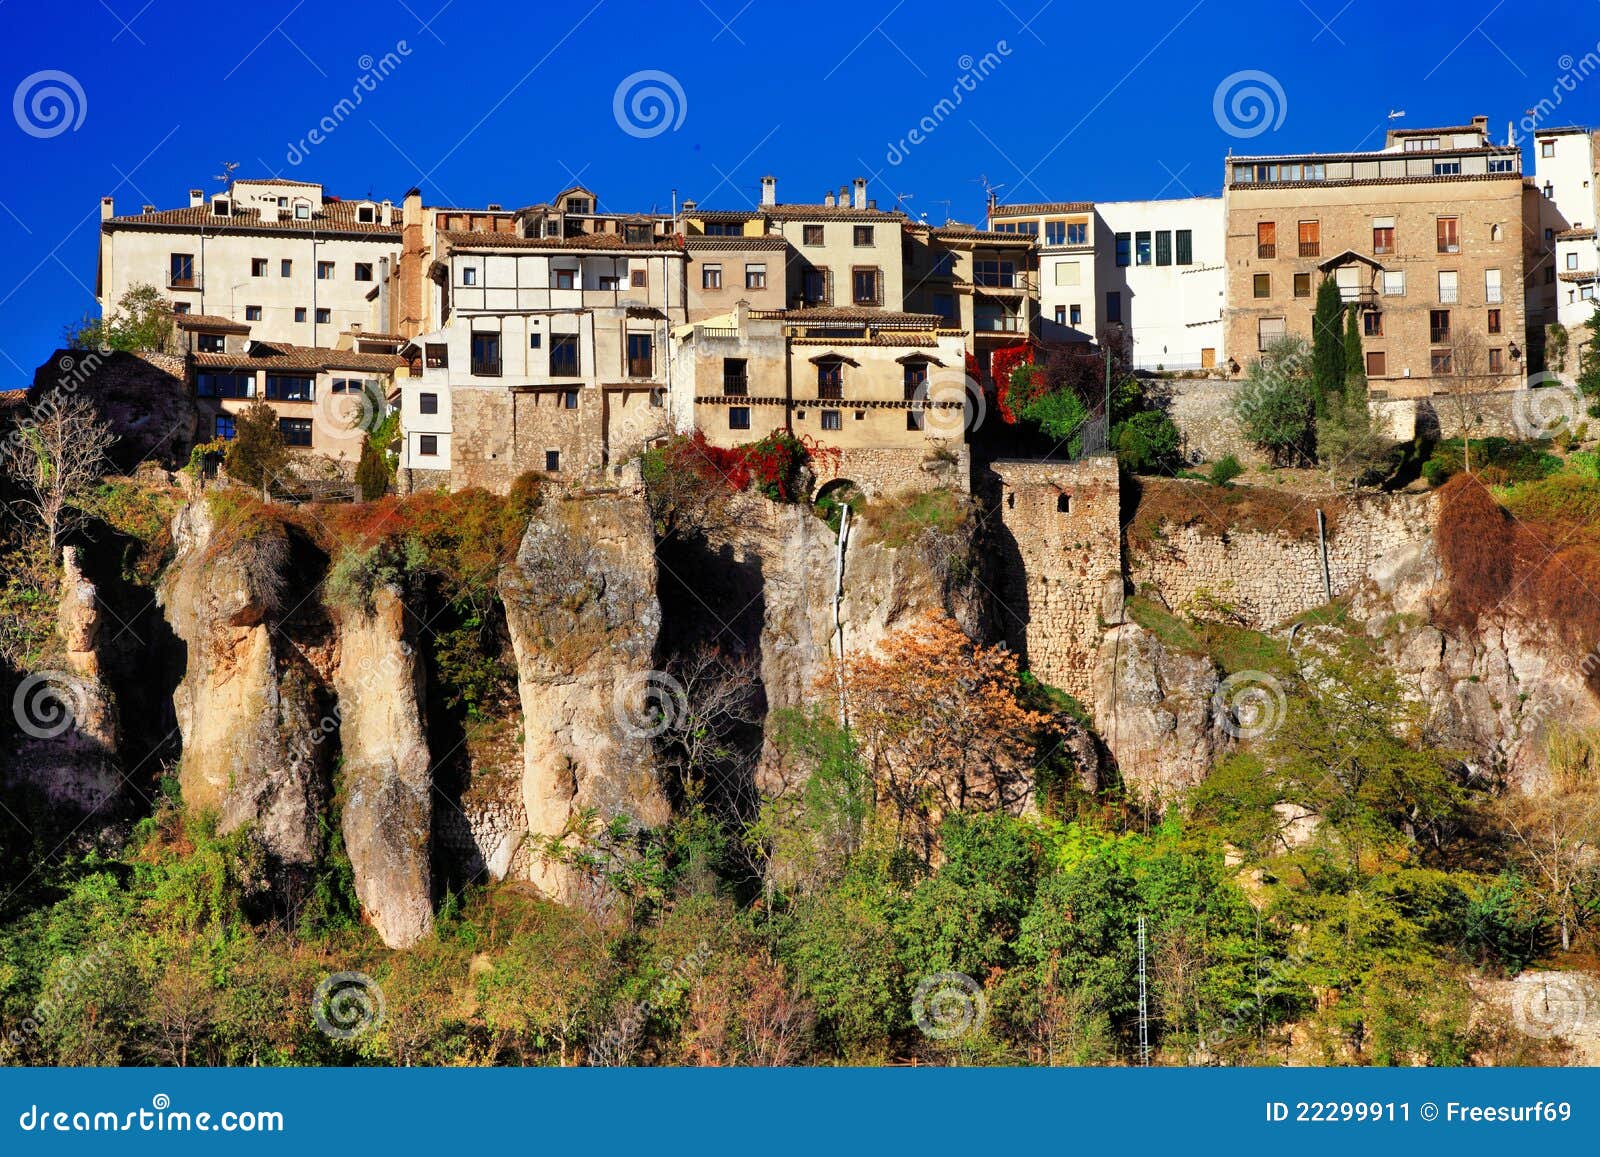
(581, 605)
(67, 716)
(247, 705)
(385, 776)
(1157, 711)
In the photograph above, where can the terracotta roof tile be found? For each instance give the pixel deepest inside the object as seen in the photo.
(1037, 208)
(830, 212)
(734, 244)
(211, 321)
(1580, 234)
(603, 241)
(335, 217)
(280, 355)
(821, 315)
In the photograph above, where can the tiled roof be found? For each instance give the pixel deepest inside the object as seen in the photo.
(850, 315)
(277, 181)
(830, 212)
(1036, 208)
(282, 356)
(767, 243)
(1577, 275)
(11, 398)
(208, 321)
(1341, 184)
(722, 216)
(1581, 234)
(373, 335)
(604, 241)
(335, 217)
(972, 233)
(1379, 154)
(1437, 132)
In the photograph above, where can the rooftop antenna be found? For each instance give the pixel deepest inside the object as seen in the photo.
(1396, 114)
(226, 176)
(946, 205)
(989, 192)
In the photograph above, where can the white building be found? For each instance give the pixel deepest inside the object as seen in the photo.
(1565, 170)
(1160, 273)
(282, 257)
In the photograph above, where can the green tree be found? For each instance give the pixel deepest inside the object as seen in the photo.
(1346, 441)
(1146, 443)
(257, 456)
(1355, 361)
(1056, 409)
(372, 471)
(1589, 358)
(1273, 405)
(1327, 343)
(142, 320)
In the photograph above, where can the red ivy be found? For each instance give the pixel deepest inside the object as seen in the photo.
(773, 465)
(1003, 362)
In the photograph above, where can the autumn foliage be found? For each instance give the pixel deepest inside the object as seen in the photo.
(941, 722)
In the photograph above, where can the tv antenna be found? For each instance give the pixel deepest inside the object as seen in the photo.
(989, 191)
(226, 176)
(1396, 114)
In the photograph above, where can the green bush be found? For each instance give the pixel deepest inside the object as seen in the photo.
(1224, 470)
(1147, 443)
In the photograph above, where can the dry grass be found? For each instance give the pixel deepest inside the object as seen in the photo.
(1221, 510)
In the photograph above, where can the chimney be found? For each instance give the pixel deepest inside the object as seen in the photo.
(147, 209)
(494, 206)
(108, 208)
(859, 199)
(769, 190)
(385, 322)
(827, 198)
(689, 206)
(197, 197)
(386, 213)
(844, 196)
(872, 202)
(1481, 124)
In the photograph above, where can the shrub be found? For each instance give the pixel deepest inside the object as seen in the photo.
(257, 456)
(1224, 470)
(1146, 443)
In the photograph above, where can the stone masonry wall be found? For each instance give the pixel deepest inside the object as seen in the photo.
(1059, 560)
(882, 472)
(1272, 577)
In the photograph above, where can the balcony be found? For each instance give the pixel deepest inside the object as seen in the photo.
(830, 392)
(1266, 252)
(181, 281)
(641, 367)
(1494, 295)
(1449, 296)
(1364, 295)
(1310, 249)
(998, 323)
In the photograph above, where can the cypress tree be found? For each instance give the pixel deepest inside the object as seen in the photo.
(1355, 362)
(1327, 344)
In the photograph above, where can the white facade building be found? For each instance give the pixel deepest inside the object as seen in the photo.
(1565, 171)
(1160, 273)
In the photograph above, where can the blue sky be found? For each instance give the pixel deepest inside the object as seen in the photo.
(511, 103)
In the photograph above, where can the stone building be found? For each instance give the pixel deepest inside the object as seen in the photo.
(980, 282)
(1066, 239)
(292, 262)
(1432, 238)
(886, 392)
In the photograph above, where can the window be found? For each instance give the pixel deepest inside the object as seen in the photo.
(566, 278)
(290, 388)
(1302, 284)
(569, 399)
(1075, 314)
(1377, 364)
(324, 271)
(1394, 283)
(830, 420)
(1124, 248)
(324, 316)
(610, 284)
(1055, 232)
(735, 377)
(1311, 239)
(427, 403)
(225, 385)
(1261, 285)
(258, 267)
(1001, 274)
(1497, 361)
(1061, 315)
(1494, 321)
(1547, 148)
(1267, 239)
(428, 445)
(302, 210)
(1449, 287)
(914, 420)
(811, 234)
(1141, 248)
(209, 343)
(579, 205)
(1269, 330)
(818, 286)
(1113, 308)
(365, 215)
(916, 377)
(755, 276)
(1572, 261)
(469, 275)
(1497, 232)
(830, 378)
(1185, 239)
(252, 313)
(863, 235)
(363, 271)
(286, 268)
(564, 362)
(1069, 273)
(944, 304)
(436, 356)
(711, 277)
(295, 431)
(181, 266)
(639, 278)
(1502, 165)
(552, 461)
(641, 355)
(864, 286)
(636, 234)
(1382, 235)
(1164, 247)
(222, 427)
(1447, 168)
(1449, 240)
(944, 265)
(1372, 323)
(1439, 363)
(486, 355)
(738, 417)
(535, 340)
(300, 313)
(1438, 325)
(1491, 286)
(1077, 233)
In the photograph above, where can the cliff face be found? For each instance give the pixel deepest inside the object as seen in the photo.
(584, 618)
(386, 773)
(246, 707)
